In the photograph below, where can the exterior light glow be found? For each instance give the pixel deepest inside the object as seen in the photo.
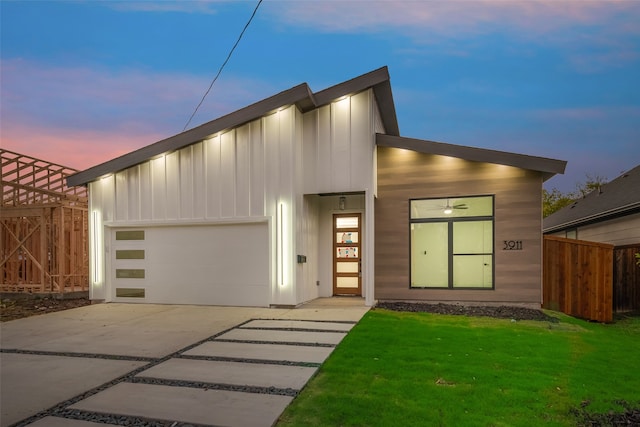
(283, 249)
(96, 245)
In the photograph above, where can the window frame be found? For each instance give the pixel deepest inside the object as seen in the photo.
(450, 236)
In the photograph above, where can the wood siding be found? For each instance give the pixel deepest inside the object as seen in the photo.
(578, 277)
(626, 279)
(405, 175)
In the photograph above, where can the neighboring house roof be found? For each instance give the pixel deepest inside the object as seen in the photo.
(300, 95)
(548, 167)
(617, 198)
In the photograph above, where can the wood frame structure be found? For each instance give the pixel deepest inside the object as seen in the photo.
(43, 228)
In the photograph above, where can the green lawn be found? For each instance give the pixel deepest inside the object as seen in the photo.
(406, 369)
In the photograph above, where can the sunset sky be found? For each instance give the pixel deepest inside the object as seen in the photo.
(85, 81)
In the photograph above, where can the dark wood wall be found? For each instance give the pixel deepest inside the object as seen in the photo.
(626, 279)
(405, 174)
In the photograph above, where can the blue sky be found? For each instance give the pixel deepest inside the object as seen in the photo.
(85, 81)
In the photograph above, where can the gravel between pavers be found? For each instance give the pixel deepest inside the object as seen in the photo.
(501, 312)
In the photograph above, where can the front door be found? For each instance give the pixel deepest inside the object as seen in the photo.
(347, 236)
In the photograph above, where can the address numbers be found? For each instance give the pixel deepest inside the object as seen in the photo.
(512, 245)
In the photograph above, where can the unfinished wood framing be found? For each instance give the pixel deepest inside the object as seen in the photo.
(43, 228)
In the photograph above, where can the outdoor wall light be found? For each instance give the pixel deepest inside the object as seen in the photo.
(342, 204)
(448, 210)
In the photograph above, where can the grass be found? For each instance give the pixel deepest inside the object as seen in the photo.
(423, 369)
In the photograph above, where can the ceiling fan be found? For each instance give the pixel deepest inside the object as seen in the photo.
(449, 207)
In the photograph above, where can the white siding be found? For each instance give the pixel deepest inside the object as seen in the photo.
(240, 176)
(225, 177)
(619, 231)
(339, 145)
(259, 172)
(307, 234)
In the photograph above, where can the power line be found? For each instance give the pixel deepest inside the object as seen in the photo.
(223, 64)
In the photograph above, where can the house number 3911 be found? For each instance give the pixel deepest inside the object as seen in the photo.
(512, 245)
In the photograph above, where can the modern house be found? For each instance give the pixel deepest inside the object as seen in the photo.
(609, 214)
(308, 194)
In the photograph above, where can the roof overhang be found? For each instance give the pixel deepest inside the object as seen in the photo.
(548, 167)
(301, 96)
(607, 215)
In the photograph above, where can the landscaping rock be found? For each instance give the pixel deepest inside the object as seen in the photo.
(502, 312)
(17, 308)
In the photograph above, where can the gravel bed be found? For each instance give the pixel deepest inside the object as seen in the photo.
(502, 312)
(216, 386)
(256, 328)
(256, 361)
(121, 420)
(82, 355)
(302, 344)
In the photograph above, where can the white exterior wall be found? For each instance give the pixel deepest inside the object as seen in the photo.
(261, 172)
(244, 175)
(339, 141)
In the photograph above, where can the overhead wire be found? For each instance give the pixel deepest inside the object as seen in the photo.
(223, 65)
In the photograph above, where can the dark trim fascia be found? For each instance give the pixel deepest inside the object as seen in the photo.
(548, 167)
(300, 95)
(379, 80)
(596, 218)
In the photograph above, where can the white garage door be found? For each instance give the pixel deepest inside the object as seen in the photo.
(212, 265)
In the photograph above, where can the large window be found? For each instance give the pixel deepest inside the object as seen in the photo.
(452, 243)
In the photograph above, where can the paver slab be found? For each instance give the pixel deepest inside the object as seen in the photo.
(147, 330)
(283, 336)
(32, 383)
(298, 324)
(242, 350)
(209, 407)
(236, 373)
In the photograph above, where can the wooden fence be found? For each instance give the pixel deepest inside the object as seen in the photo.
(578, 278)
(626, 279)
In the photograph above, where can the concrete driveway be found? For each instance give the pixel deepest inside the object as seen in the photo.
(165, 364)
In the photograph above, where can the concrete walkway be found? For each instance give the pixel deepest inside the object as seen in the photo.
(164, 364)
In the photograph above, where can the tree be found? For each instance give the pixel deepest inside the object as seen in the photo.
(555, 199)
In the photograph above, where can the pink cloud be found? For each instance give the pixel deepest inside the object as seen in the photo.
(192, 6)
(74, 148)
(82, 116)
(451, 17)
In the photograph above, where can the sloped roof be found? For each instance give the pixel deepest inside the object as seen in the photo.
(300, 95)
(617, 198)
(548, 167)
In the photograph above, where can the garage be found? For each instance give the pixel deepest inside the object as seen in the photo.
(197, 264)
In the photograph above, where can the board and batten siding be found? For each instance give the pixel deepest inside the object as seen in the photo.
(249, 174)
(238, 176)
(230, 175)
(339, 141)
(405, 175)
